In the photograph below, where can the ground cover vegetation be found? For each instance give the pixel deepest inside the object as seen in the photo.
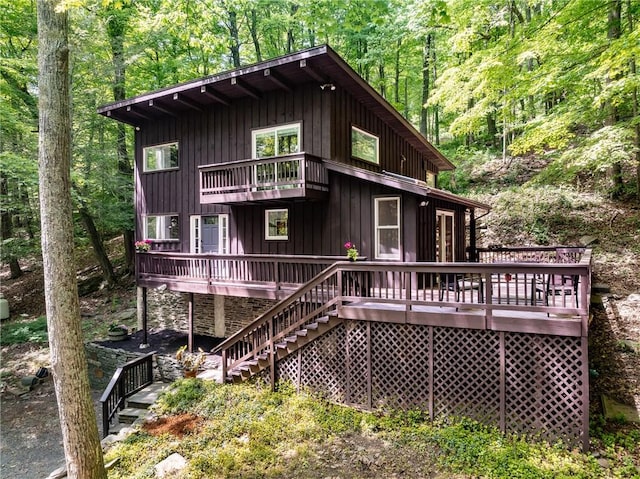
(248, 431)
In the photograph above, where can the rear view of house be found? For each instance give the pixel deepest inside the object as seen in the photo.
(250, 182)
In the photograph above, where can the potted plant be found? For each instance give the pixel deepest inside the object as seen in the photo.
(352, 251)
(118, 332)
(143, 246)
(190, 362)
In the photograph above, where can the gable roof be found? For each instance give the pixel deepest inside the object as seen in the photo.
(318, 64)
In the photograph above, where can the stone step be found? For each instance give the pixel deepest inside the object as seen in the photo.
(130, 415)
(145, 398)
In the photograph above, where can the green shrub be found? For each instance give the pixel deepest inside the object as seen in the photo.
(24, 332)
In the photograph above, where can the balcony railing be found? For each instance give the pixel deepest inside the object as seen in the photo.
(293, 176)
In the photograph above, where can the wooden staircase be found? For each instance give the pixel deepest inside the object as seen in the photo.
(305, 315)
(292, 343)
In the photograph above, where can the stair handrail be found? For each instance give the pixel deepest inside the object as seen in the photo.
(124, 384)
(269, 315)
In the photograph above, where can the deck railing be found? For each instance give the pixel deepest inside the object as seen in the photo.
(291, 175)
(531, 254)
(276, 273)
(126, 381)
(504, 296)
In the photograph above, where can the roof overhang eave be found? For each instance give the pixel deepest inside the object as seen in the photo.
(416, 187)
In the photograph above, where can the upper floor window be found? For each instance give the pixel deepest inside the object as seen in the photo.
(387, 225)
(165, 227)
(160, 157)
(364, 145)
(276, 141)
(431, 179)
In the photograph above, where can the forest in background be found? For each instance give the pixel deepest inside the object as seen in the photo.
(549, 83)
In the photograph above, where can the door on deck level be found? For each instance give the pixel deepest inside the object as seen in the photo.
(444, 236)
(210, 234)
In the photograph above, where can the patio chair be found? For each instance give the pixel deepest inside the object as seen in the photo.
(456, 282)
(559, 285)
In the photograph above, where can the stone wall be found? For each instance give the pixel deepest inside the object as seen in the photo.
(214, 315)
(103, 362)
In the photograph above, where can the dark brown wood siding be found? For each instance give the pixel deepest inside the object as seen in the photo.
(396, 155)
(322, 228)
(218, 135)
(223, 133)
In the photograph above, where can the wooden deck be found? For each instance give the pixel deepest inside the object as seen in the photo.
(503, 295)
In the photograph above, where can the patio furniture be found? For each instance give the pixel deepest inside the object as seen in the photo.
(457, 282)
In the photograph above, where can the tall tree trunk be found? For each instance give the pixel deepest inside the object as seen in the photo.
(634, 94)
(234, 39)
(6, 228)
(614, 31)
(383, 80)
(80, 438)
(98, 246)
(252, 20)
(396, 83)
(291, 40)
(116, 27)
(426, 72)
(436, 116)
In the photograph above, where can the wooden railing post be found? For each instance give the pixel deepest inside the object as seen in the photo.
(224, 365)
(272, 355)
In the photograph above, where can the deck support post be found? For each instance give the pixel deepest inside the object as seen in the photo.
(473, 254)
(190, 320)
(145, 318)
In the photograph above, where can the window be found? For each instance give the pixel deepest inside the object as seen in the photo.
(364, 145)
(276, 224)
(160, 157)
(431, 179)
(276, 141)
(210, 234)
(387, 224)
(161, 227)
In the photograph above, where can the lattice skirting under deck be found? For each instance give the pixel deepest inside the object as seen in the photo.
(522, 383)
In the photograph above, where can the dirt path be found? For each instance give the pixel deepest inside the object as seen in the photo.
(30, 438)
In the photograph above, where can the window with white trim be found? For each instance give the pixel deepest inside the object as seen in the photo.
(160, 157)
(161, 227)
(364, 145)
(387, 227)
(276, 224)
(276, 141)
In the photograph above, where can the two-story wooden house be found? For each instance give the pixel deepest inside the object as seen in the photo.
(291, 157)
(250, 182)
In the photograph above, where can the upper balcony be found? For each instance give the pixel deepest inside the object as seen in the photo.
(300, 175)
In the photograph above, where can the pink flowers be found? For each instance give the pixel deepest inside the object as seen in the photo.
(352, 251)
(143, 246)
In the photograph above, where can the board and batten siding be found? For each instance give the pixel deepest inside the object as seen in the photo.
(222, 133)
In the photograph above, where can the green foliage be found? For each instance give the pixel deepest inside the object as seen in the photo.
(249, 431)
(537, 215)
(18, 332)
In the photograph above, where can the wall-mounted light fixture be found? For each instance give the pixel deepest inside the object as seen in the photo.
(424, 203)
(330, 86)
